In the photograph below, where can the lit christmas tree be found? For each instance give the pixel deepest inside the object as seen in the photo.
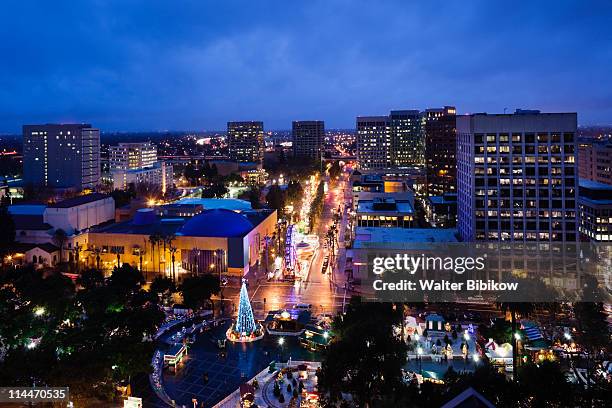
(245, 322)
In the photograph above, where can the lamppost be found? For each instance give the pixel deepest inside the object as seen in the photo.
(281, 342)
(419, 359)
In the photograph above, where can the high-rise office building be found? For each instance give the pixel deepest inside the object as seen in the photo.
(246, 141)
(517, 177)
(407, 138)
(61, 156)
(394, 141)
(308, 137)
(595, 160)
(440, 150)
(374, 142)
(130, 156)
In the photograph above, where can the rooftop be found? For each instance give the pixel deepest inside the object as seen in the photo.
(233, 204)
(368, 237)
(30, 222)
(388, 205)
(444, 199)
(594, 185)
(80, 200)
(210, 223)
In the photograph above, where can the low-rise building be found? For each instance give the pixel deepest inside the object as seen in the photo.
(384, 212)
(595, 208)
(214, 241)
(441, 211)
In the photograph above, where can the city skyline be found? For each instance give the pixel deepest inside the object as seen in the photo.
(182, 68)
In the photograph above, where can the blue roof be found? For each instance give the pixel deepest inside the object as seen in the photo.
(212, 203)
(27, 209)
(217, 223)
(434, 317)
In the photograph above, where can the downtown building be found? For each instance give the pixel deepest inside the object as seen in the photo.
(440, 150)
(246, 142)
(134, 164)
(393, 141)
(61, 156)
(308, 137)
(517, 177)
(595, 160)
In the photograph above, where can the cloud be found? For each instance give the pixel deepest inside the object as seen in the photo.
(135, 65)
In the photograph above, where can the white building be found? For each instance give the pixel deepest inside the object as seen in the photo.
(136, 163)
(129, 156)
(37, 224)
(160, 174)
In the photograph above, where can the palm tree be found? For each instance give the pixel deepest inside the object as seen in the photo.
(516, 309)
(59, 238)
(153, 239)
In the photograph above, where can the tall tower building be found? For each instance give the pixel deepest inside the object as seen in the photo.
(130, 156)
(61, 156)
(407, 138)
(374, 148)
(308, 137)
(246, 141)
(517, 177)
(440, 150)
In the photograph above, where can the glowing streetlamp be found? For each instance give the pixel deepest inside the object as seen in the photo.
(39, 311)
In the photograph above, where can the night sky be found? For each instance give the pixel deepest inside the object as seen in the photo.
(193, 65)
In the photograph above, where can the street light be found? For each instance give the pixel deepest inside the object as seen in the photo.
(517, 336)
(419, 358)
(39, 311)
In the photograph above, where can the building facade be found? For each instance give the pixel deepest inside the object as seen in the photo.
(136, 164)
(131, 156)
(160, 175)
(440, 150)
(308, 137)
(385, 212)
(374, 142)
(213, 241)
(595, 206)
(246, 141)
(61, 156)
(407, 138)
(595, 160)
(517, 177)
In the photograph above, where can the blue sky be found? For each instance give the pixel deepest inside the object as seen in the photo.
(183, 65)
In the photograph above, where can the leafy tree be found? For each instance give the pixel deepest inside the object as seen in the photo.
(276, 198)
(7, 232)
(253, 197)
(545, 385)
(122, 197)
(198, 289)
(162, 287)
(126, 278)
(294, 191)
(91, 278)
(216, 190)
(365, 358)
(89, 340)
